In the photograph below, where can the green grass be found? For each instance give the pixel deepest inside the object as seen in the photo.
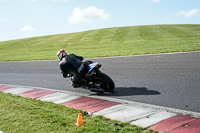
(116, 41)
(23, 115)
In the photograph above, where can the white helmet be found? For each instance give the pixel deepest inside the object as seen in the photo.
(61, 53)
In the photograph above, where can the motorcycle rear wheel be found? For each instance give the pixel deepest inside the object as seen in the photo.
(106, 83)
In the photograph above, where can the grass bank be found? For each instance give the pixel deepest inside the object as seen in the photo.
(118, 41)
(23, 115)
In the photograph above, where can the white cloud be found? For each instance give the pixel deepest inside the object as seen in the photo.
(3, 20)
(167, 17)
(52, 0)
(156, 0)
(188, 14)
(87, 15)
(59, 0)
(28, 29)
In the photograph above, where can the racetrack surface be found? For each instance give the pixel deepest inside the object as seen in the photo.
(169, 80)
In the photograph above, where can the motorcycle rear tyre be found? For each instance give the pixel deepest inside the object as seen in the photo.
(108, 84)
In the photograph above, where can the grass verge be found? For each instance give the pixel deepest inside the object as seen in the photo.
(24, 115)
(118, 41)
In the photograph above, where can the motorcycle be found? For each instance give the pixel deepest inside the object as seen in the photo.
(95, 79)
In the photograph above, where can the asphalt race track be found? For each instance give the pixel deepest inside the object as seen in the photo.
(169, 80)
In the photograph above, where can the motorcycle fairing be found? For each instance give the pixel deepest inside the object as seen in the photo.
(90, 68)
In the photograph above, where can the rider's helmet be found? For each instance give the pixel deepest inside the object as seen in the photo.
(61, 53)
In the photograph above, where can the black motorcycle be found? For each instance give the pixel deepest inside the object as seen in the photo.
(95, 79)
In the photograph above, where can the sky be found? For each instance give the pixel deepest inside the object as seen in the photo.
(30, 18)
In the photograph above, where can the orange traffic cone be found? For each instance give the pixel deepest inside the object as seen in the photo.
(79, 120)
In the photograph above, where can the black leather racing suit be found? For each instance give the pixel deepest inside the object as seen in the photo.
(72, 64)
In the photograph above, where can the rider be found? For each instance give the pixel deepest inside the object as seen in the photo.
(72, 64)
